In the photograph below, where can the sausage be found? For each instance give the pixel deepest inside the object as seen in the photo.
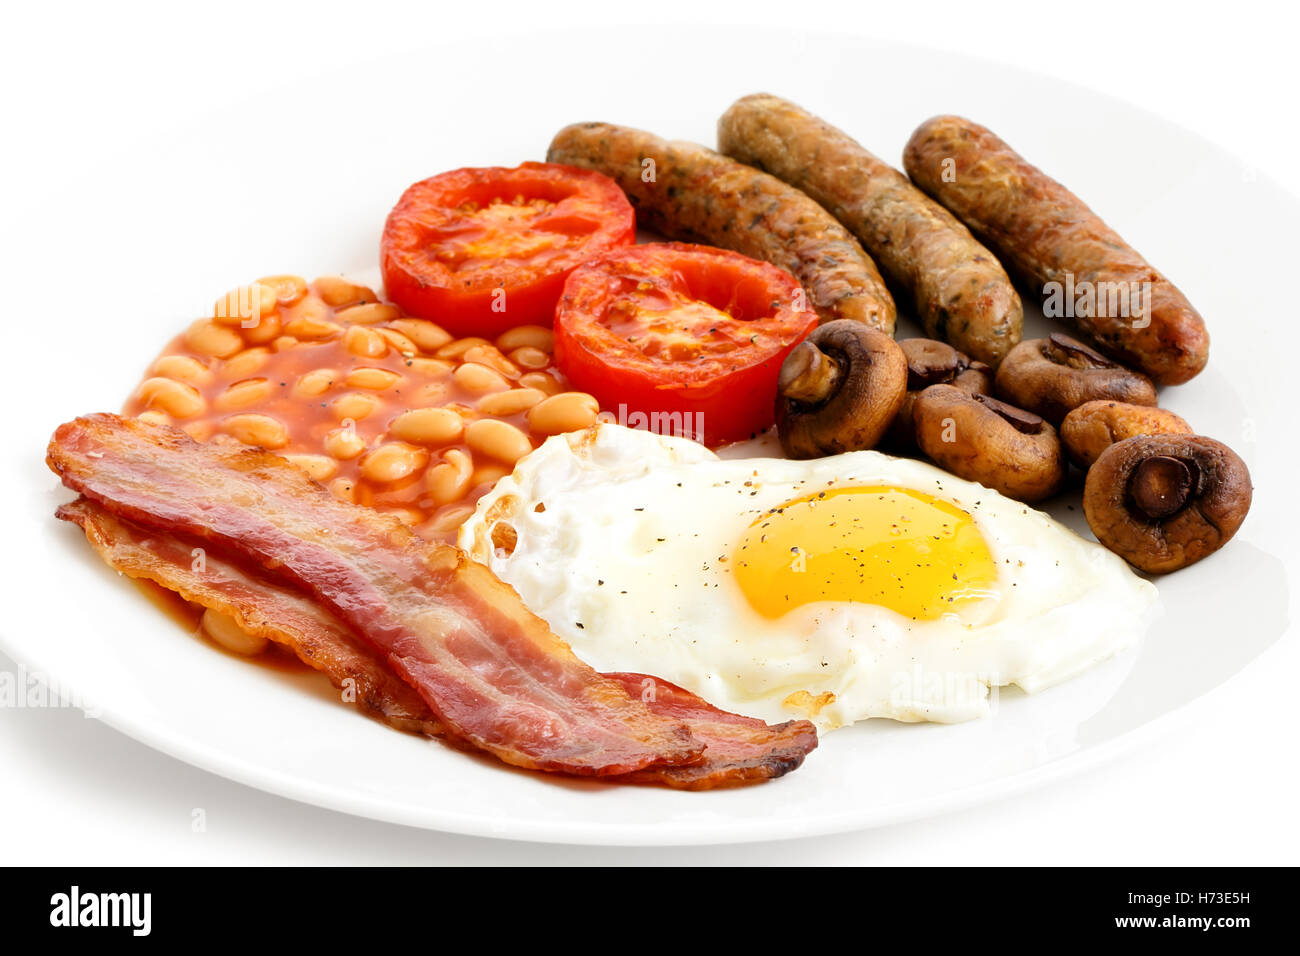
(1048, 238)
(690, 193)
(960, 292)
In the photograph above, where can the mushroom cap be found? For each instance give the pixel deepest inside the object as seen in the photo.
(981, 439)
(839, 390)
(1091, 428)
(1054, 375)
(1163, 502)
(931, 362)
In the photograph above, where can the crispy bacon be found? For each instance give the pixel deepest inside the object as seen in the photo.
(740, 751)
(488, 668)
(102, 455)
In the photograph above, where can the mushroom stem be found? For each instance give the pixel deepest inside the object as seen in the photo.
(1027, 423)
(1160, 485)
(1064, 350)
(809, 375)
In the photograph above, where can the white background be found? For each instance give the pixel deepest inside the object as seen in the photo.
(1220, 789)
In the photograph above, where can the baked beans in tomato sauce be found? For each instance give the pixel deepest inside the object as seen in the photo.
(384, 410)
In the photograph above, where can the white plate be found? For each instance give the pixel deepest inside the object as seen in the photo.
(301, 181)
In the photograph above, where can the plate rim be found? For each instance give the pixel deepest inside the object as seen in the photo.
(583, 833)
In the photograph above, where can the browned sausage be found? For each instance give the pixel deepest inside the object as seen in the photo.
(1051, 240)
(691, 193)
(959, 290)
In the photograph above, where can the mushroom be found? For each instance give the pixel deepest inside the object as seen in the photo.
(839, 389)
(1054, 375)
(931, 362)
(1162, 502)
(981, 439)
(1089, 429)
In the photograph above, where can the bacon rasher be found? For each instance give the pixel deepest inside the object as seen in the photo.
(487, 667)
(487, 671)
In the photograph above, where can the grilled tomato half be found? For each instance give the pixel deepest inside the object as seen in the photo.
(681, 338)
(480, 251)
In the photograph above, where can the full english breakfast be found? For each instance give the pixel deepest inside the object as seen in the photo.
(661, 512)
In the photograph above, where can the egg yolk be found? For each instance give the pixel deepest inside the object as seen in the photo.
(894, 547)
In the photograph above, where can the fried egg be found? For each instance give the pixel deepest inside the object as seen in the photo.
(837, 589)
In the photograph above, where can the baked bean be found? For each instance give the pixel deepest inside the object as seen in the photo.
(354, 405)
(344, 490)
(497, 439)
(255, 429)
(488, 475)
(245, 363)
(175, 398)
(408, 516)
(223, 629)
(368, 314)
(433, 394)
(246, 304)
(199, 431)
(428, 426)
(454, 350)
(265, 329)
(364, 342)
(208, 338)
(305, 327)
(490, 356)
(449, 479)
(320, 467)
(309, 307)
(338, 292)
(288, 289)
(155, 416)
(284, 342)
(183, 368)
(566, 412)
(530, 358)
(527, 336)
(377, 379)
(427, 335)
(451, 519)
(510, 403)
(399, 341)
(316, 382)
(542, 381)
(242, 394)
(431, 367)
(393, 462)
(344, 444)
(478, 379)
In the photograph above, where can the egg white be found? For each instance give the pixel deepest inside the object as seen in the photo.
(619, 536)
